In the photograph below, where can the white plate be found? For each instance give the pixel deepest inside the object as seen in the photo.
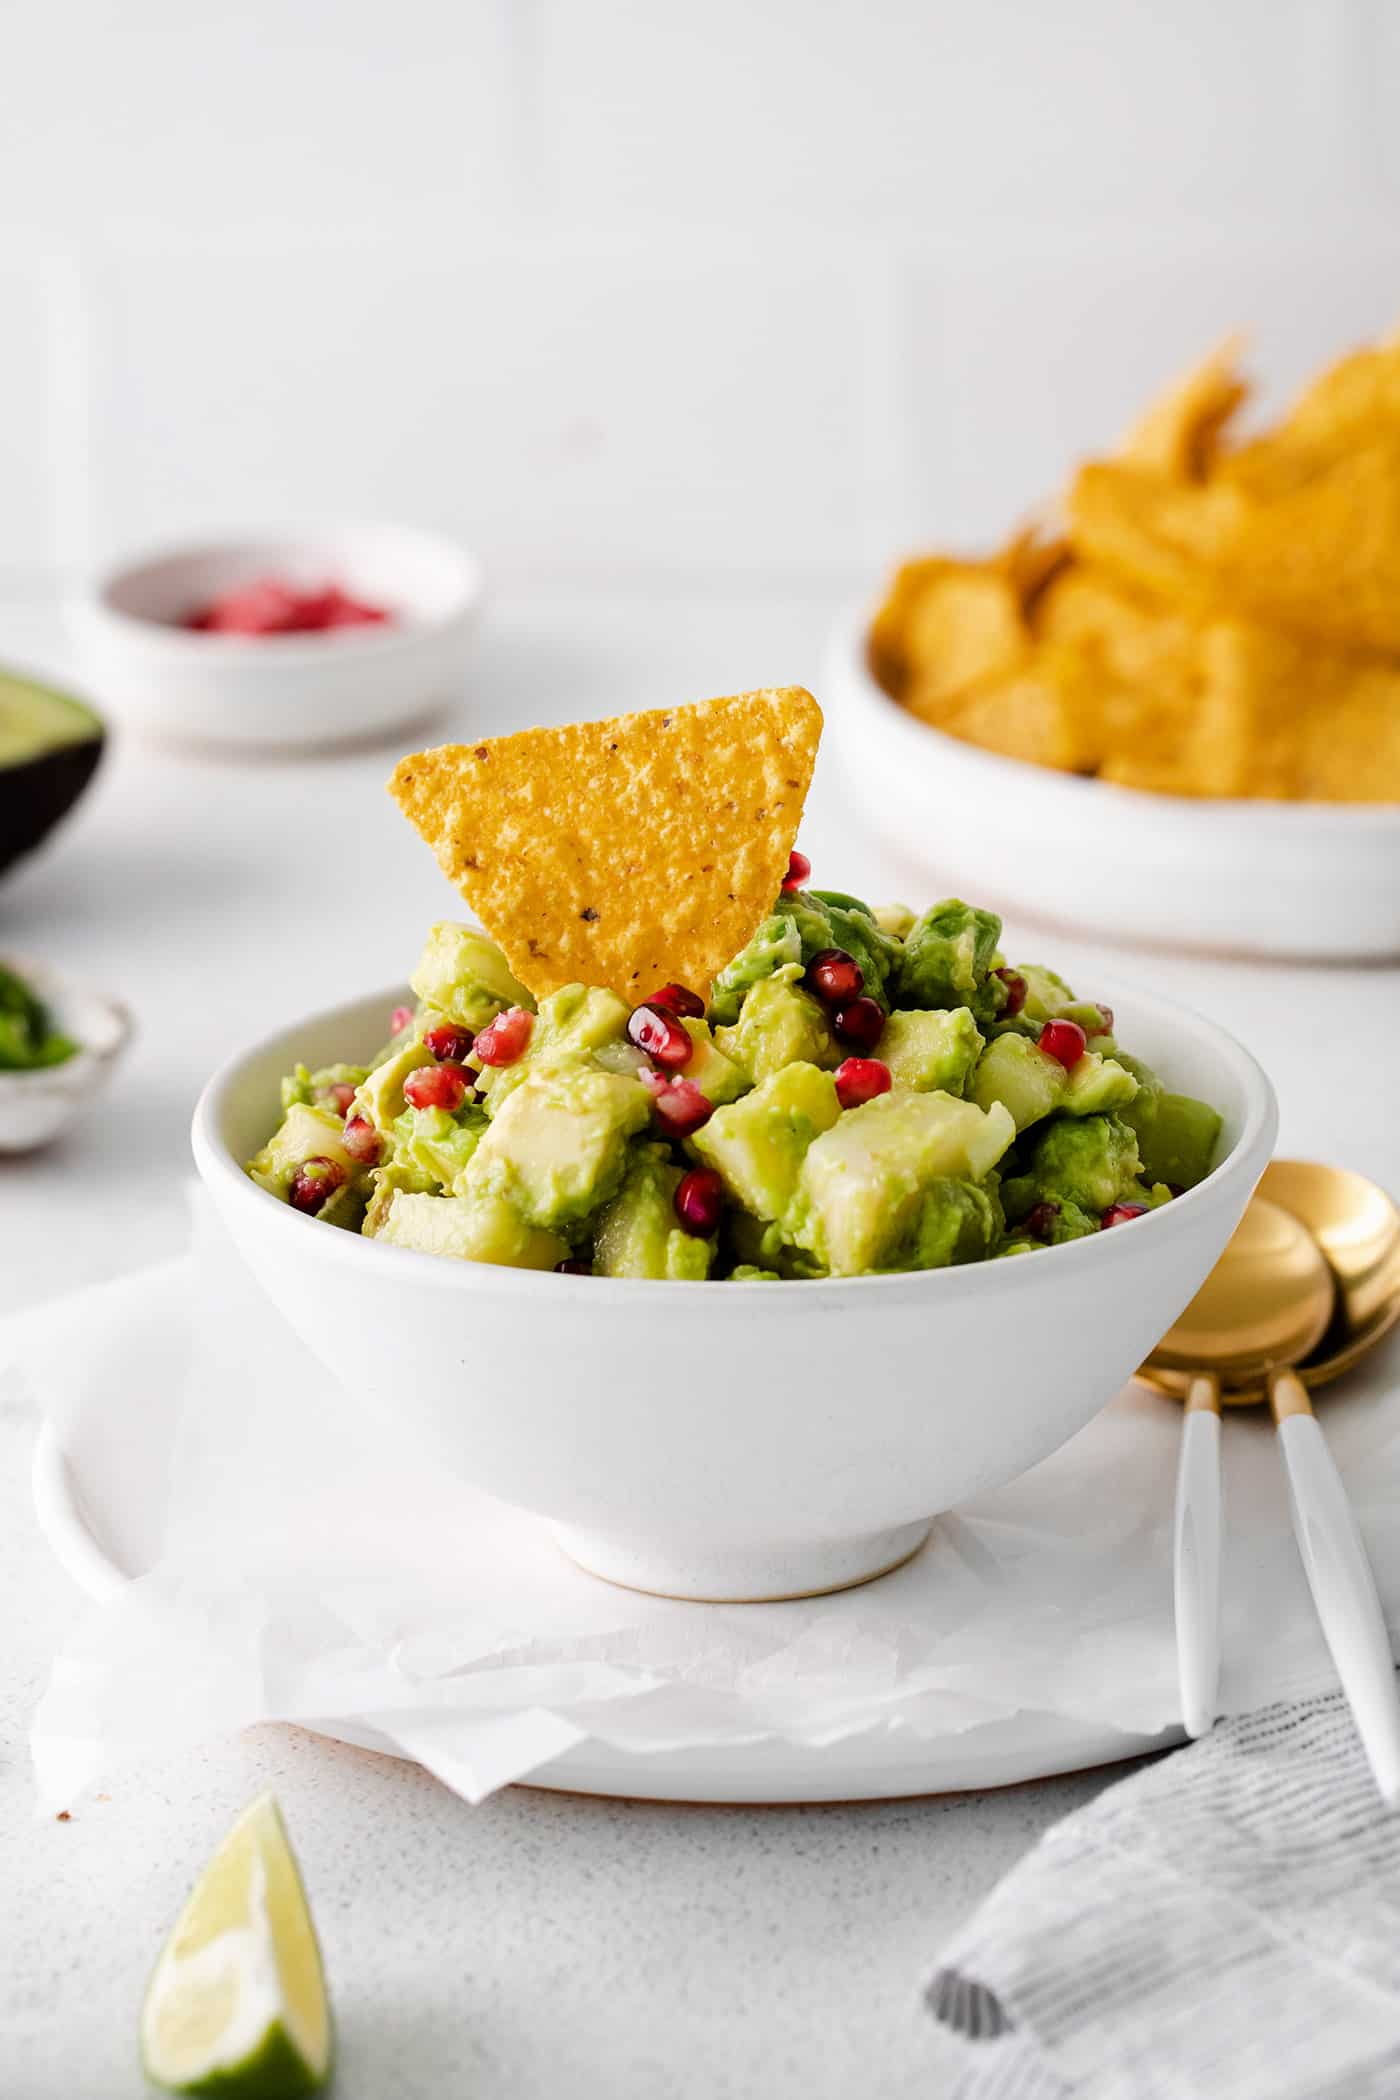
(1298, 879)
(101, 1497)
(100, 1506)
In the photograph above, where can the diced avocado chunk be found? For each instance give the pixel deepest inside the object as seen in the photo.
(1091, 1017)
(779, 1024)
(301, 1085)
(716, 1074)
(437, 1145)
(305, 1133)
(557, 1146)
(831, 919)
(747, 1273)
(380, 1099)
(345, 1207)
(931, 1050)
(894, 919)
(776, 942)
(757, 1145)
(577, 1017)
(947, 960)
(1047, 994)
(1177, 1136)
(476, 1227)
(637, 1233)
(957, 1221)
(466, 977)
(1028, 1080)
(756, 1244)
(1090, 1161)
(1097, 1084)
(862, 1182)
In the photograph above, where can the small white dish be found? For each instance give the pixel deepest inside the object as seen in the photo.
(36, 1107)
(786, 1438)
(1303, 880)
(281, 692)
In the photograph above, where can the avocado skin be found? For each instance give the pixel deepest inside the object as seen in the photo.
(38, 792)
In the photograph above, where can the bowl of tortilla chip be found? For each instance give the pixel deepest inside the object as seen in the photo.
(1174, 716)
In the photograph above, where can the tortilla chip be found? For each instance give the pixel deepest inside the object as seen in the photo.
(626, 853)
(1355, 402)
(886, 640)
(1047, 712)
(1180, 434)
(967, 626)
(1322, 560)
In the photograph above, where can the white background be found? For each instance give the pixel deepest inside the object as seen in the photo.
(688, 319)
(621, 288)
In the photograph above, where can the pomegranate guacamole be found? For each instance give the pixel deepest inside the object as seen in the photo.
(864, 1091)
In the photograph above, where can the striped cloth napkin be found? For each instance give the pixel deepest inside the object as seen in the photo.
(1225, 1925)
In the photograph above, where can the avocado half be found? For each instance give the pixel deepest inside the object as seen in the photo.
(50, 745)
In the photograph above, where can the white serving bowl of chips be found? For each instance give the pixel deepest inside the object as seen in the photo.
(1303, 880)
(282, 692)
(734, 1441)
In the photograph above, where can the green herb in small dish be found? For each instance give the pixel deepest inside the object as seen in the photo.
(29, 1042)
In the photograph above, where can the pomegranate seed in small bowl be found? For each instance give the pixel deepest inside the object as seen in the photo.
(573, 1268)
(1106, 1027)
(362, 1141)
(835, 977)
(436, 1086)
(1016, 989)
(399, 1019)
(1119, 1214)
(680, 1105)
(505, 1039)
(449, 1044)
(860, 1079)
(1063, 1040)
(700, 1201)
(1039, 1221)
(860, 1024)
(314, 1182)
(799, 868)
(661, 1035)
(337, 1097)
(680, 1000)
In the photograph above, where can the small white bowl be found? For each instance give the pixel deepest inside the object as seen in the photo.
(735, 1441)
(1304, 880)
(36, 1107)
(282, 692)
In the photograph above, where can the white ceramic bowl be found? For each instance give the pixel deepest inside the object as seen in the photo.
(1299, 879)
(38, 1106)
(282, 692)
(746, 1440)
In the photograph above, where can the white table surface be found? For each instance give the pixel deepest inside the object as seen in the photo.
(541, 1944)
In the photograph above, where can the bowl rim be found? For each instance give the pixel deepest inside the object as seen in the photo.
(95, 596)
(224, 1176)
(993, 770)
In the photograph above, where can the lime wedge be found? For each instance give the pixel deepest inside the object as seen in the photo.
(237, 2004)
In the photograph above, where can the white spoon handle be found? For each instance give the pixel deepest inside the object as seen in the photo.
(1196, 1558)
(1343, 1587)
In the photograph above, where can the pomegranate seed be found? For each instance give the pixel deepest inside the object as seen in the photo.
(1106, 1027)
(861, 1023)
(799, 868)
(399, 1019)
(1119, 1214)
(338, 1097)
(861, 1079)
(661, 1035)
(1063, 1040)
(700, 1201)
(505, 1038)
(362, 1140)
(315, 1180)
(1040, 1222)
(449, 1044)
(679, 999)
(436, 1086)
(835, 977)
(680, 1105)
(1015, 991)
(573, 1268)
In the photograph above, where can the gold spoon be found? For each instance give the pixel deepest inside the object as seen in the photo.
(1272, 1300)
